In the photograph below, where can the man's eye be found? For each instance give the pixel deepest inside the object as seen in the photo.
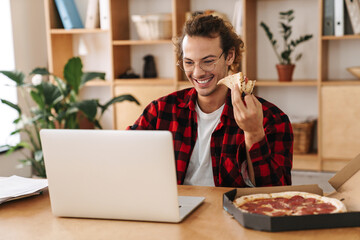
(208, 62)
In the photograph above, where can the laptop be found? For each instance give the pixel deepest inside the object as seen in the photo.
(114, 174)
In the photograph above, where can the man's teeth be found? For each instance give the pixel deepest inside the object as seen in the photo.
(203, 81)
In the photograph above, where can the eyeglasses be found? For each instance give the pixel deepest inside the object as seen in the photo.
(206, 65)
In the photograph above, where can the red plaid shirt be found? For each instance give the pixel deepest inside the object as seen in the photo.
(271, 157)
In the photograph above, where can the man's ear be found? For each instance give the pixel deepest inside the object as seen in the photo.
(230, 57)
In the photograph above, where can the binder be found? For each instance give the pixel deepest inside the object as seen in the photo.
(353, 8)
(339, 17)
(92, 14)
(328, 19)
(69, 14)
(347, 23)
(104, 14)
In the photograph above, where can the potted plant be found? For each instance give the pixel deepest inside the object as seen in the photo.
(57, 105)
(286, 66)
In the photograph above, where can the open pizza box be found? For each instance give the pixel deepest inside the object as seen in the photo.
(346, 184)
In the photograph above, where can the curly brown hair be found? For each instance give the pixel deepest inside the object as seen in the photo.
(210, 26)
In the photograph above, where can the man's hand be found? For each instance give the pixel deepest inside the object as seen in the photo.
(248, 115)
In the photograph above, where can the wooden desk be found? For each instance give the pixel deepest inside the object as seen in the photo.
(31, 218)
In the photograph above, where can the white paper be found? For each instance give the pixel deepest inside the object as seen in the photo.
(15, 187)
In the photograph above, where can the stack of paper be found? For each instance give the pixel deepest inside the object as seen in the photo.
(16, 187)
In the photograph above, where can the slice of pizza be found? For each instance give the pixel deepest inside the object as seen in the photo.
(246, 86)
(290, 203)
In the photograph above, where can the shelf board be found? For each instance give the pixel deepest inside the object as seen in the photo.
(76, 31)
(276, 83)
(98, 83)
(144, 81)
(345, 37)
(140, 42)
(340, 82)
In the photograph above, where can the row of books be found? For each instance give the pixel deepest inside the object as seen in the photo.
(341, 17)
(97, 14)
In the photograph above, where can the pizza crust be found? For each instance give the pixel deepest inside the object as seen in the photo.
(238, 78)
(267, 208)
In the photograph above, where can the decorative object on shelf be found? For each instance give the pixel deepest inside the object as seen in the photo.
(129, 73)
(354, 71)
(149, 67)
(56, 105)
(303, 130)
(353, 8)
(153, 26)
(285, 67)
(69, 14)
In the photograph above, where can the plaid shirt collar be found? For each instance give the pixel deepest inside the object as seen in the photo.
(189, 101)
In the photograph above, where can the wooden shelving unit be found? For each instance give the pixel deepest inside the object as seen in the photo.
(329, 137)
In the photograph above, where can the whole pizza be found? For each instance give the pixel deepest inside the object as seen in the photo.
(289, 203)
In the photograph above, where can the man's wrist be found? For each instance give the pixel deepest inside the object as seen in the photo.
(253, 137)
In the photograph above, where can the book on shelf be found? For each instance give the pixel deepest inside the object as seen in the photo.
(339, 17)
(92, 15)
(353, 9)
(69, 14)
(104, 14)
(328, 18)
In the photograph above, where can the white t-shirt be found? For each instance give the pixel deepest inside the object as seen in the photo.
(199, 171)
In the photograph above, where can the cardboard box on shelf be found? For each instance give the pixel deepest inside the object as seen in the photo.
(345, 184)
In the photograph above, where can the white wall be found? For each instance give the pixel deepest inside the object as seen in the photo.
(30, 51)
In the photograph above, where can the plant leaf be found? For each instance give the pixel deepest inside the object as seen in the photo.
(97, 124)
(73, 73)
(126, 97)
(88, 76)
(16, 76)
(38, 155)
(52, 94)
(41, 71)
(10, 104)
(267, 31)
(18, 146)
(298, 57)
(62, 86)
(15, 132)
(38, 99)
(88, 107)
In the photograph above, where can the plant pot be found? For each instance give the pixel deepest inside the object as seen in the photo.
(84, 123)
(285, 72)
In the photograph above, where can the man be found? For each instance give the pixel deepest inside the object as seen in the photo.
(220, 137)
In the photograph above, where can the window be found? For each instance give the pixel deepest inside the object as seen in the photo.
(7, 62)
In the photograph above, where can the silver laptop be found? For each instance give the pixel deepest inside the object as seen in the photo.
(128, 175)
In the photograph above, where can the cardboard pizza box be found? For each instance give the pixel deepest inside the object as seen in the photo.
(345, 183)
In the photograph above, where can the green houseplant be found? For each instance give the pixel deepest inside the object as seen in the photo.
(285, 55)
(57, 105)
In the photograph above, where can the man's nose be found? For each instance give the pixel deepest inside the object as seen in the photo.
(198, 70)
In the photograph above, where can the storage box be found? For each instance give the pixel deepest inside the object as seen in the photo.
(154, 26)
(303, 136)
(345, 183)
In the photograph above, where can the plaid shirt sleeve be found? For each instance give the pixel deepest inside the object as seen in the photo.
(272, 156)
